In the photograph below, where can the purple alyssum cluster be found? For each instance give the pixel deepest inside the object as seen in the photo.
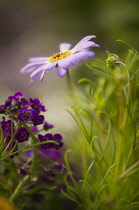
(24, 116)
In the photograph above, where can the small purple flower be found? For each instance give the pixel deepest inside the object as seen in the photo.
(38, 120)
(46, 137)
(22, 135)
(18, 95)
(8, 102)
(62, 60)
(25, 103)
(22, 172)
(52, 154)
(2, 109)
(27, 114)
(35, 104)
(7, 126)
(58, 138)
(47, 126)
(34, 129)
(49, 136)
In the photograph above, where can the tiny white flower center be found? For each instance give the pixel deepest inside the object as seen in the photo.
(59, 56)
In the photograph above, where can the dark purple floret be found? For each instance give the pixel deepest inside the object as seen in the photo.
(18, 103)
(8, 102)
(58, 165)
(12, 98)
(58, 138)
(2, 109)
(49, 136)
(7, 126)
(13, 109)
(35, 104)
(52, 154)
(46, 137)
(22, 135)
(38, 120)
(47, 126)
(22, 172)
(18, 95)
(25, 103)
(26, 114)
(34, 129)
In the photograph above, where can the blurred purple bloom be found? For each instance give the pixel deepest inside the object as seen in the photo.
(25, 103)
(7, 126)
(35, 104)
(46, 137)
(27, 114)
(22, 135)
(47, 126)
(58, 138)
(62, 60)
(2, 109)
(18, 95)
(34, 129)
(52, 154)
(38, 120)
(49, 136)
(8, 102)
(22, 172)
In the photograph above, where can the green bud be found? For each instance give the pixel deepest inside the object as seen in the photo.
(112, 61)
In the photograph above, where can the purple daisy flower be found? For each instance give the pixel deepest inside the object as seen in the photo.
(62, 60)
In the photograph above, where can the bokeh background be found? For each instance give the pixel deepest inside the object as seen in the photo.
(36, 27)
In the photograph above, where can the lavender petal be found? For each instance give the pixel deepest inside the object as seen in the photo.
(49, 66)
(83, 46)
(30, 67)
(64, 47)
(38, 59)
(61, 72)
(83, 55)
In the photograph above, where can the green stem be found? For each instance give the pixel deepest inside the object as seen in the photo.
(79, 122)
(19, 188)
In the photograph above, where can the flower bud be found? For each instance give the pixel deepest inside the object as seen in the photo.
(112, 60)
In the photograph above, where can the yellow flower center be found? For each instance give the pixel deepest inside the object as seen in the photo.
(59, 56)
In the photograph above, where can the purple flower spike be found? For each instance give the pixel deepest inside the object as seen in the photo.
(27, 114)
(38, 120)
(62, 60)
(22, 135)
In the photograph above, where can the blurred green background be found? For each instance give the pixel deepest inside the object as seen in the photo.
(36, 27)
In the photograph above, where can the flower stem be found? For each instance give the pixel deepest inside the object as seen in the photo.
(19, 188)
(80, 124)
